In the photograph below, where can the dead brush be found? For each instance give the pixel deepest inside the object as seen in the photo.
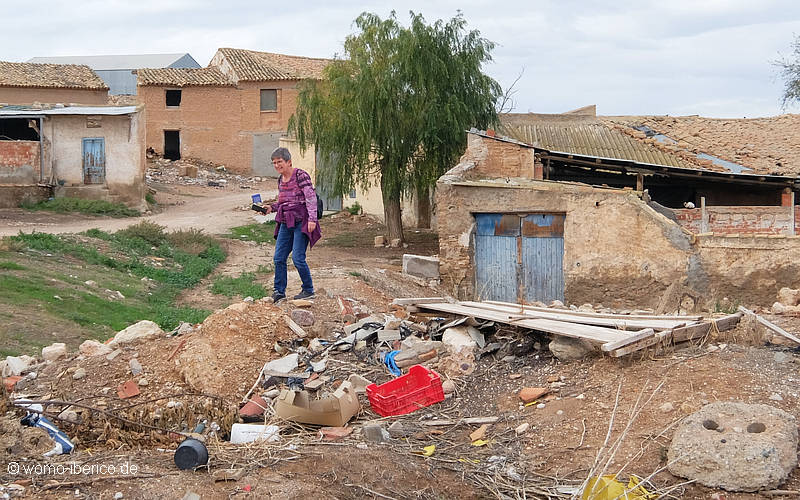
(604, 459)
(748, 332)
(11, 244)
(191, 240)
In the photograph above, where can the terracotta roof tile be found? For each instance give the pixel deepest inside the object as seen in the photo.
(251, 65)
(72, 76)
(764, 145)
(182, 77)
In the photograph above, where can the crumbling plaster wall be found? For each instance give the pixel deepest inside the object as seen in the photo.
(617, 250)
(30, 95)
(19, 162)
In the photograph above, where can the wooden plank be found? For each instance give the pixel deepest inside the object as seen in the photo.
(772, 326)
(644, 334)
(621, 324)
(689, 332)
(588, 332)
(297, 329)
(684, 319)
(468, 420)
(418, 300)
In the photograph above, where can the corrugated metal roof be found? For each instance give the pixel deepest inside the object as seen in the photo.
(67, 110)
(114, 62)
(251, 65)
(583, 135)
(183, 77)
(70, 76)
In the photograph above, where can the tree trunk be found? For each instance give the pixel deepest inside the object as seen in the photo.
(423, 207)
(391, 211)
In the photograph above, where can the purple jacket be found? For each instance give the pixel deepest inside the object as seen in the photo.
(290, 213)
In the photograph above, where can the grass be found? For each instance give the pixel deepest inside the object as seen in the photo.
(42, 266)
(265, 269)
(260, 233)
(243, 286)
(150, 198)
(6, 265)
(91, 207)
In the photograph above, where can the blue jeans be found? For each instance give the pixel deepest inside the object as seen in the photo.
(291, 239)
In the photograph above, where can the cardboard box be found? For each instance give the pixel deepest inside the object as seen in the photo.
(332, 411)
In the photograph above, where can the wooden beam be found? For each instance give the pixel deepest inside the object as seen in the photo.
(772, 326)
(683, 319)
(418, 300)
(588, 332)
(467, 420)
(620, 323)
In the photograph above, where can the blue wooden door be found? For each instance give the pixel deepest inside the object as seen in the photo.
(543, 258)
(94, 160)
(519, 258)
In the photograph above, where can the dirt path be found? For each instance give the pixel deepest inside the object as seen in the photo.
(215, 210)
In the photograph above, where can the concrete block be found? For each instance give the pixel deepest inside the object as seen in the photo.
(421, 266)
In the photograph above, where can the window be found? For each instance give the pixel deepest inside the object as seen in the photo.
(173, 98)
(269, 100)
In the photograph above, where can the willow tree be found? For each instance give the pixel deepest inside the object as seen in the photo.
(394, 107)
(790, 72)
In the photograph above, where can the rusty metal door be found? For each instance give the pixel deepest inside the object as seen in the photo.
(519, 257)
(94, 160)
(543, 257)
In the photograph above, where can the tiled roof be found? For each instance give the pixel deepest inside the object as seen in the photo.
(251, 65)
(72, 76)
(585, 135)
(765, 145)
(182, 77)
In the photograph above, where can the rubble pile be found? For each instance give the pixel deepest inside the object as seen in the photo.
(191, 171)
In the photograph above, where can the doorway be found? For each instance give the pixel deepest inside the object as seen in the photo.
(172, 144)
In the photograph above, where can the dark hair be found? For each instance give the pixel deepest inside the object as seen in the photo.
(281, 153)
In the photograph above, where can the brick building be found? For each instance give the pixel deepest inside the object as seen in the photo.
(27, 83)
(232, 112)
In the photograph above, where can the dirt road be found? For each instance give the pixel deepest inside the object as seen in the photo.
(215, 210)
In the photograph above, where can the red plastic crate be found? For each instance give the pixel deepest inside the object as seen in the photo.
(419, 388)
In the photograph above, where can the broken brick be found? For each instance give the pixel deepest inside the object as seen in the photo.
(529, 394)
(128, 389)
(335, 433)
(11, 382)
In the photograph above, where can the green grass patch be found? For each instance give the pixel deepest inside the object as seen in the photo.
(150, 198)
(6, 265)
(91, 207)
(265, 269)
(243, 286)
(260, 233)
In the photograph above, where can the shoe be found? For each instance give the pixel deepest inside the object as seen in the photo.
(277, 297)
(304, 295)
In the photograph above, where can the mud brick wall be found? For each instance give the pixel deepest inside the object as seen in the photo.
(217, 124)
(739, 220)
(25, 95)
(19, 162)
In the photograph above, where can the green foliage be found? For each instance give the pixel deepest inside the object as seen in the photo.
(355, 208)
(10, 266)
(190, 240)
(148, 231)
(243, 286)
(396, 105)
(91, 207)
(150, 198)
(260, 233)
(790, 73)
(726, 306)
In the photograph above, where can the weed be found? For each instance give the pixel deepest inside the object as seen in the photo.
(265, 269)
(10, 244)
(243, 286)
(145, 230)
(150, 198)
(355, 208)
(92, 207)
(260, 233)
(726, 306)
(6, 265)
(355, 273)
(191, 240)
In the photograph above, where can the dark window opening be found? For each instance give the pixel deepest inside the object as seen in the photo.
(18, 129)
(173, 97)
(269, 100)
(172, 144)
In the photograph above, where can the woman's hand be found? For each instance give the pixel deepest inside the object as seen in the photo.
(311, 226)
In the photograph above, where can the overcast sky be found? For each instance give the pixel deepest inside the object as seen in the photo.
(676, 57)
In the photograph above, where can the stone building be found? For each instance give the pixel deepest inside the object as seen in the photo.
(510, 229)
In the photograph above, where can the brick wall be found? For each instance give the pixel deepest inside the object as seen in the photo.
(739, 220)
(24, 95)
(217, 123)
(19, 162)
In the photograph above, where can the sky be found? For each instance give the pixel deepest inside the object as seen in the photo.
(629, 57)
